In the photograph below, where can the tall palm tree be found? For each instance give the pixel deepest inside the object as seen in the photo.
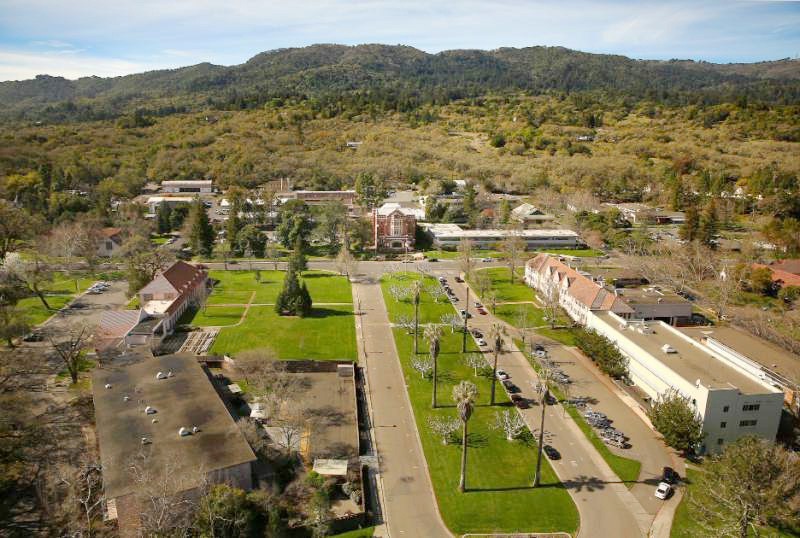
(464, 394)
(496, 332)
(416, 289)
(433, 333)
(546, 378)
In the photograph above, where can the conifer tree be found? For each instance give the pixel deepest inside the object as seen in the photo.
(201, 233)
(709, 224)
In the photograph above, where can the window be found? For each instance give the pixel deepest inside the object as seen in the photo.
(397, 226)
(751, 407)
(723, 424)
(747, 423)
(719, 441)
(397, 244)
(148, 297)
(725, 409)
(109, 245)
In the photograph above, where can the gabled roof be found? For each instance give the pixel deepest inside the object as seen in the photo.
(580, 288)
(391, 207)
(179, 277)
(110, 232)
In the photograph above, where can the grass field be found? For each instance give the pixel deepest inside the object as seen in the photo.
(329, 333)
(453, 254)
(502, 286)
(429, 311)
(581, 253)
(499, 472)
(366, 532)
(236, 287)
(510, 314)
(626, 469)
(214, 316)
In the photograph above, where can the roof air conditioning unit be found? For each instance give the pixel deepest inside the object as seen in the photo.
(195, 429)
(126, 398)
(150, 410)
(108, 385)
(183, 432)
(145, 441)
(161, 375)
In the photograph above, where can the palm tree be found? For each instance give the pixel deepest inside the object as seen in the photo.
(543, 388)
(464, 394)
(416, 289)
(495, 334)
(433, 333)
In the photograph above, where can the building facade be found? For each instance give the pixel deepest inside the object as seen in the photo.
(110, 242)
(393, 229)
(450, 236)
(193, 186)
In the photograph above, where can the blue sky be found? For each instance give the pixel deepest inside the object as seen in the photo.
(118, 37)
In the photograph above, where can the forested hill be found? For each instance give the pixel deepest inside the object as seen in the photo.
(396, 77)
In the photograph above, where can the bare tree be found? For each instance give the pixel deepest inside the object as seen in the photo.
(510, 423)
(70, 343)
(723, 286)
(475, 361)
(466, 257)
(84, 488)
(422, 364)
(495, 335)
(32, 271)
(513, 247)
(436, 293)
(550, 304)
(443, 428)
(405, 322)
(345, 263)
(482, 282)
(262, 370)
(451, 320)
(522, 320)
(491, 298)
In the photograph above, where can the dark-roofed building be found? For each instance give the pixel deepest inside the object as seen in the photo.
(166, 411)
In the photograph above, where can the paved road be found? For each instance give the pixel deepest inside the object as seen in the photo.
(410, 504)
(605, 505)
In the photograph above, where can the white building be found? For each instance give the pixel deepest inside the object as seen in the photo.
(197, 186)
(449, 236)
(732, 399)
(109, 242)
(529, 215)
(153, 202)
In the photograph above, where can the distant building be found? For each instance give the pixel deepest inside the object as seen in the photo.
(153, 202)
(348, 198)
(779, 276)
(656, 303)
(641, 213)
(790, 266)
(449, 236)
(394, 228)
(529, 215)
(195, 186)
(163, 416)
(110, 243)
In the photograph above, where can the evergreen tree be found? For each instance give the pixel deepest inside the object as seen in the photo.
(691, 226)
(709, 224)
(201, 234)
(293, 299)
(297, 262)
(163, 218)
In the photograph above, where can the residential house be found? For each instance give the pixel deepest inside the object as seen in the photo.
(529, 215)
(110, 242)
(779, 276)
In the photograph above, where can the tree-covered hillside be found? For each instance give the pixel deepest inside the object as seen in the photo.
(396, 78)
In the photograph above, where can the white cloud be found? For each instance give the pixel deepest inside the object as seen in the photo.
(24, 65)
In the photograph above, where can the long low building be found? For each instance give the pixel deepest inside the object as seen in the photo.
(450, 236)
(199, 186)
(732, 400)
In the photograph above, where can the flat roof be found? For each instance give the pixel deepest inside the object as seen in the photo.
(157, 306)
(186, 399)
(442, 230)
(159, 199)
(756, 349)
(690, 362)
(651, 295)
(188, 182)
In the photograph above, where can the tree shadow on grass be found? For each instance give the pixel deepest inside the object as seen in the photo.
(474, 440)
(327, 312)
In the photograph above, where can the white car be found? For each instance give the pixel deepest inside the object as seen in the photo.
(663, 490)
(501, 375)
(482, 342)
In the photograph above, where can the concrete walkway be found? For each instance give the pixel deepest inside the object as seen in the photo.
(409, 502)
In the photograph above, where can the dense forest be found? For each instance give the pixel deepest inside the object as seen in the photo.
(395, 78)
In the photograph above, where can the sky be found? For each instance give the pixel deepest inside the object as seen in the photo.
(119, 37)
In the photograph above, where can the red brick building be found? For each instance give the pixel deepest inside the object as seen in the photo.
(393, 228)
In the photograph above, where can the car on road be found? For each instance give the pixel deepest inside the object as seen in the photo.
(465, 314)
(550, 400)
(478, 304)
(510, 386)
(482, 342)
(482, 312)
(663, 491)
(459, 280)
(476, 333)
(501, 375)
(519, 401)
(551, 452)
(33, 337)
(487, 260)
(670, 476)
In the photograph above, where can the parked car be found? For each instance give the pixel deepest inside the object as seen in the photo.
(550, 400)
(510, 386)
(482, 312)
(551, 452)
(33, 337)
(482, 342)
(465, 314)
(519, 401)
(663, 490)
(459, 280)
(670, 476)
(476, 333)
(478, 304)
(501, 375)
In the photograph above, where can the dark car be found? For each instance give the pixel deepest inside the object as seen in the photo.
(551, 452)
(670, 476)
(33, 337)
(510, 386)
(476, 333)
(519, 401)
(459, 279)
(481, 311)
(549, 400)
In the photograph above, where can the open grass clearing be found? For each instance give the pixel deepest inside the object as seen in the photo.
(327, 334)
(499, 473)
(236, 287)
(214, 316)
(35, 310)
(501, 284)
(429, 310)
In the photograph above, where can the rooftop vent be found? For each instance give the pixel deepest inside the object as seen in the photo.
(126, 398)
(150, 410)
(145, 441)
(195, 429)
(154, 420)
(183, 432)
(108, 385)
(161, 375)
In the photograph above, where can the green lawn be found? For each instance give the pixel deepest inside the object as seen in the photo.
(505, 290)
(216, 316)
(499, 473)
(366, 532)
(329, 333)
(510, 314)
(568, 252)
(35, 310)
(236, 287)
(453, 254)
(565, 336)
(429, 311)
(684, 526)
(626, 469)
